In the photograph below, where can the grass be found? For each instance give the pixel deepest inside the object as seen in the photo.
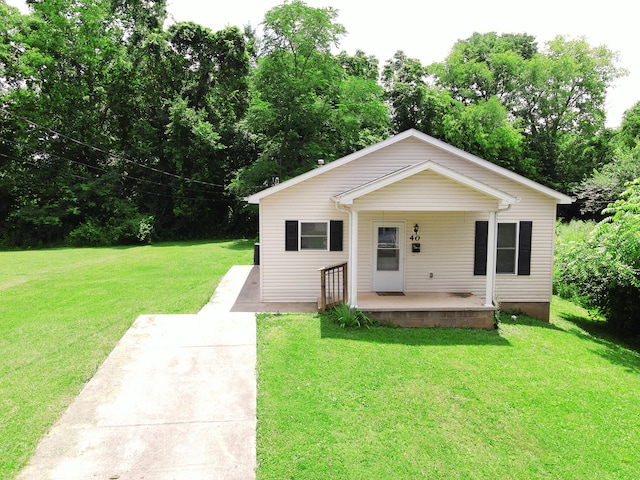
(530, 400)
(62, 311)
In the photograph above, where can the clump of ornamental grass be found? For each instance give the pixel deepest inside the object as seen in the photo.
(349, 317)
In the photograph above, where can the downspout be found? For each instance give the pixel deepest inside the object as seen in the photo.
(492, 243)
(353, 254)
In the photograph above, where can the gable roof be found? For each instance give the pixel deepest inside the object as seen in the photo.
(412, 133)
(347, 198)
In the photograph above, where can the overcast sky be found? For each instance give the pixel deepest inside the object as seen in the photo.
(427, 30)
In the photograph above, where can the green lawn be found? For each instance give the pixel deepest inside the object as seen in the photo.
(530, 400)
(63, 310)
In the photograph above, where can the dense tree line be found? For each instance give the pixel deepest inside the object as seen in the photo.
(117, 128)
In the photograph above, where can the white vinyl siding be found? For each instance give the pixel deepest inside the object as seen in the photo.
(293, 275)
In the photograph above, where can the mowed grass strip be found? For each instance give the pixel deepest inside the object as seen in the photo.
(530, 400)
(62, 311)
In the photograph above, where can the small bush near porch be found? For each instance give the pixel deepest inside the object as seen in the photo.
(531, 400)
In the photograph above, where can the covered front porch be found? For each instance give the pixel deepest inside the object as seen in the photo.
(411, 247)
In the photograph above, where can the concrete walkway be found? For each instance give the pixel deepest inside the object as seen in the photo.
(176, 399)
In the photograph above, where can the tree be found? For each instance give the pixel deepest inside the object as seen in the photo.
(115, 121)
(563, 96)
(57, 91)
(480, 126)
(629, 134)
(306, 103)
(485, 66)
(554, 96)
(414, 103)
(483, 128)
(294, 82)
(607, 182)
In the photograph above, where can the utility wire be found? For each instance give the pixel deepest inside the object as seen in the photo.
(97, 149)
(134, 190)
(122, 175)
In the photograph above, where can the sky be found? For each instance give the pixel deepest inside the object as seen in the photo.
(427, 30)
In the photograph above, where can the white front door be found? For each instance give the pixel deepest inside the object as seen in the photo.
(388, 256)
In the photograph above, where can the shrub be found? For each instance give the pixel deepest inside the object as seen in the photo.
(568, 236)
(605, 267)
(146, 229)
(349, 317)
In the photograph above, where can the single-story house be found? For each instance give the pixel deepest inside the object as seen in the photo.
(428, 234)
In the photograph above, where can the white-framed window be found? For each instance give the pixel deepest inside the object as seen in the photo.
(513, 253)
(507, 251)
(314, 235)
(319, 236)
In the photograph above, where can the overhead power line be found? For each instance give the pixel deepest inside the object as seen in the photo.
(110, 154)
(124, 176)
(134, 190)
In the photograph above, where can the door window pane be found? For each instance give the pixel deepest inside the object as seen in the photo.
(388, 252)
(387, 237)
(388, 260)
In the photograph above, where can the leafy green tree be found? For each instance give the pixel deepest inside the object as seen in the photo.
(306, 103)
(485, 66)
(359, 65)
(605, 268)
(563, 93)
(554, 97)
(294, 81)
(480, 126)
(114, 121)
(483, 128)
(414, 102)
(56, 92)
(608, 182)
(629, 134)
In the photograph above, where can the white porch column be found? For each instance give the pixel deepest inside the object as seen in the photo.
(353, 259)
(492, 243)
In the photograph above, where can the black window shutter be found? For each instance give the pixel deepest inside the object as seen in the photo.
(335, 232)
(480, 255)
(291, 235)
(524, 248)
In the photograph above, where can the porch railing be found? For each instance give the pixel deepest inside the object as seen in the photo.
(333, 285)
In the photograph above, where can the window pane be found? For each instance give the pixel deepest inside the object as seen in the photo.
(388, 260)
(506, 261)
(506, 235)
(313, 243)
(313, 229)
